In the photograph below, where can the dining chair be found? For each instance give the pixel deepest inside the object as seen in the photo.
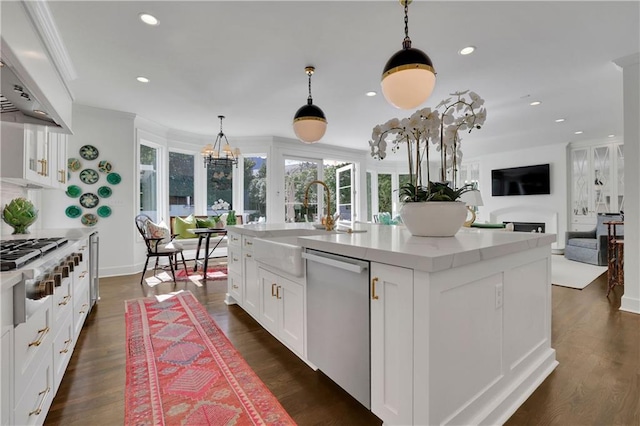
(159, 246)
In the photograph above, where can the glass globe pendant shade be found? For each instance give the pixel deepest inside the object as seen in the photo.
(408, 78)
(309, 123)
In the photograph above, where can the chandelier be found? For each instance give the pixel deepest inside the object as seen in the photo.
(408, 77)
(214, 159)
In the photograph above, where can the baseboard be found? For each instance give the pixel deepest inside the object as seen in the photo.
(519, 392)
(629, 304)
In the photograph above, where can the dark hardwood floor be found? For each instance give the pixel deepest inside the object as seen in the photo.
(596, 383)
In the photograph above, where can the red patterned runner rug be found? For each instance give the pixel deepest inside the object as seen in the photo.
(182, 369)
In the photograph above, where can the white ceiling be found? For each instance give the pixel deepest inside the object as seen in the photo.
(246, 60)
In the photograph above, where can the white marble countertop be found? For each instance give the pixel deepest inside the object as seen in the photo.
(270, 230)
(70, 233)
(9, 279)
(394, 245)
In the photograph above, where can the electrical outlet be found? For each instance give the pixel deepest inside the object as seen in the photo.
(499, 289)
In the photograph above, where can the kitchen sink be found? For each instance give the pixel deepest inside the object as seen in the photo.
(282, 253)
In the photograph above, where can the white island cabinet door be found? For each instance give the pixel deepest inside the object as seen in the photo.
(269, 301)
(391, 295)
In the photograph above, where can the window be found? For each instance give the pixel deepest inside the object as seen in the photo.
(384, 193)
(219, 187)
(345, 191)
(149, 188)
(297, 175)
(255, 188)
(369, 197)
(181, 180)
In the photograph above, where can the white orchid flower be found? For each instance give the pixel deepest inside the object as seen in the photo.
(476, 101)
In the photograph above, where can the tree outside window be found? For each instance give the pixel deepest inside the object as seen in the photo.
(148, 169)
(255, 188)
(181, 180)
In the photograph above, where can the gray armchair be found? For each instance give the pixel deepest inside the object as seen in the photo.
(591, 246)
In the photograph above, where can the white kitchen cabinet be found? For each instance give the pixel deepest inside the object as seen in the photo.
(57, 159)
(235, 285)
(596, 183)
(282, 309)
(392, 343)
(33, 155)
(251, 291)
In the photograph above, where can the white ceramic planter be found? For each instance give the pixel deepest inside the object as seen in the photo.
(434, 218)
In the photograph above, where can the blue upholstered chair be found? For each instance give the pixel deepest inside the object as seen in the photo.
(591, 246)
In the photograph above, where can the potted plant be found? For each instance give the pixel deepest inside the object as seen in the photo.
(431, 207)
(20, 214)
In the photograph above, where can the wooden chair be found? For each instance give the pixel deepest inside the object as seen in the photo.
(157, 249)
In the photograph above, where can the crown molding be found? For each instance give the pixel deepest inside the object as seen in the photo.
(628, 60)
(40, 15)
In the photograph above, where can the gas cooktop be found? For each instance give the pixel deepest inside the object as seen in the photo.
(17, 253)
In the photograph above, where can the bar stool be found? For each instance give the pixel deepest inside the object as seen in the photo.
(615, 250)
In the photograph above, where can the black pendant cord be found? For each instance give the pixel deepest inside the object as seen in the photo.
(309, 99)
(406, 43)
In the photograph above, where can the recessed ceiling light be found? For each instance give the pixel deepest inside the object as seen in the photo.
(149, 19)
(371, 93)
(535, 103)
(559, 120)
(579, 132)
(467, 50)
(39, 111)
(611, 136)
(142, 79)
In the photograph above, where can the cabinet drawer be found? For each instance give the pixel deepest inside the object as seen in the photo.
(235, 287)
(234, 239)
(247, 243)
(80, 309)
(32, 407)
(63, 345)
(62, 300)
(234, 259)
(32, 344)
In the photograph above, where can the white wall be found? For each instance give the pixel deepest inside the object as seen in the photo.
(631, 87)
(112, 133)
(524, 208)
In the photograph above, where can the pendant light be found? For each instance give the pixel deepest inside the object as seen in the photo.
(408, 77)
(309, 123)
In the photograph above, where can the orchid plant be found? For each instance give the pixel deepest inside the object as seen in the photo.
(440, 127)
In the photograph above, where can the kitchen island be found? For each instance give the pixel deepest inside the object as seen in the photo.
(460, 327)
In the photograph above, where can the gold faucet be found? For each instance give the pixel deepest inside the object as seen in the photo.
(328, 221)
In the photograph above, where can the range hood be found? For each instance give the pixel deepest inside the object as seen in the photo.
(18, 104)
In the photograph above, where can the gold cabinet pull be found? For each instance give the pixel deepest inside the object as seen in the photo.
(44, 397)
(64, 300)
(234, 285)
(84, 306)
(66, 348)
(273, 290)
(235, 259)
(43, 166)
(249, 243)
(374, 296)
(42, 332)
(278, 292)
(248, 255)
(63, 177)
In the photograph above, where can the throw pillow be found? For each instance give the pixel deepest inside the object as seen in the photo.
(159, 230)
(181, 227)
(209, 222)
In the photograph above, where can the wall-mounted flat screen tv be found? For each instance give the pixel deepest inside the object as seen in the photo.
(528, 180)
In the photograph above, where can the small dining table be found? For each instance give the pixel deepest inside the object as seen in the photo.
(205, 234)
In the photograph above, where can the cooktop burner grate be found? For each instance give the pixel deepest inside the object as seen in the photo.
(17, 253)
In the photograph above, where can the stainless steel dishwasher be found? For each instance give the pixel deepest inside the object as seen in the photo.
(338, 340)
